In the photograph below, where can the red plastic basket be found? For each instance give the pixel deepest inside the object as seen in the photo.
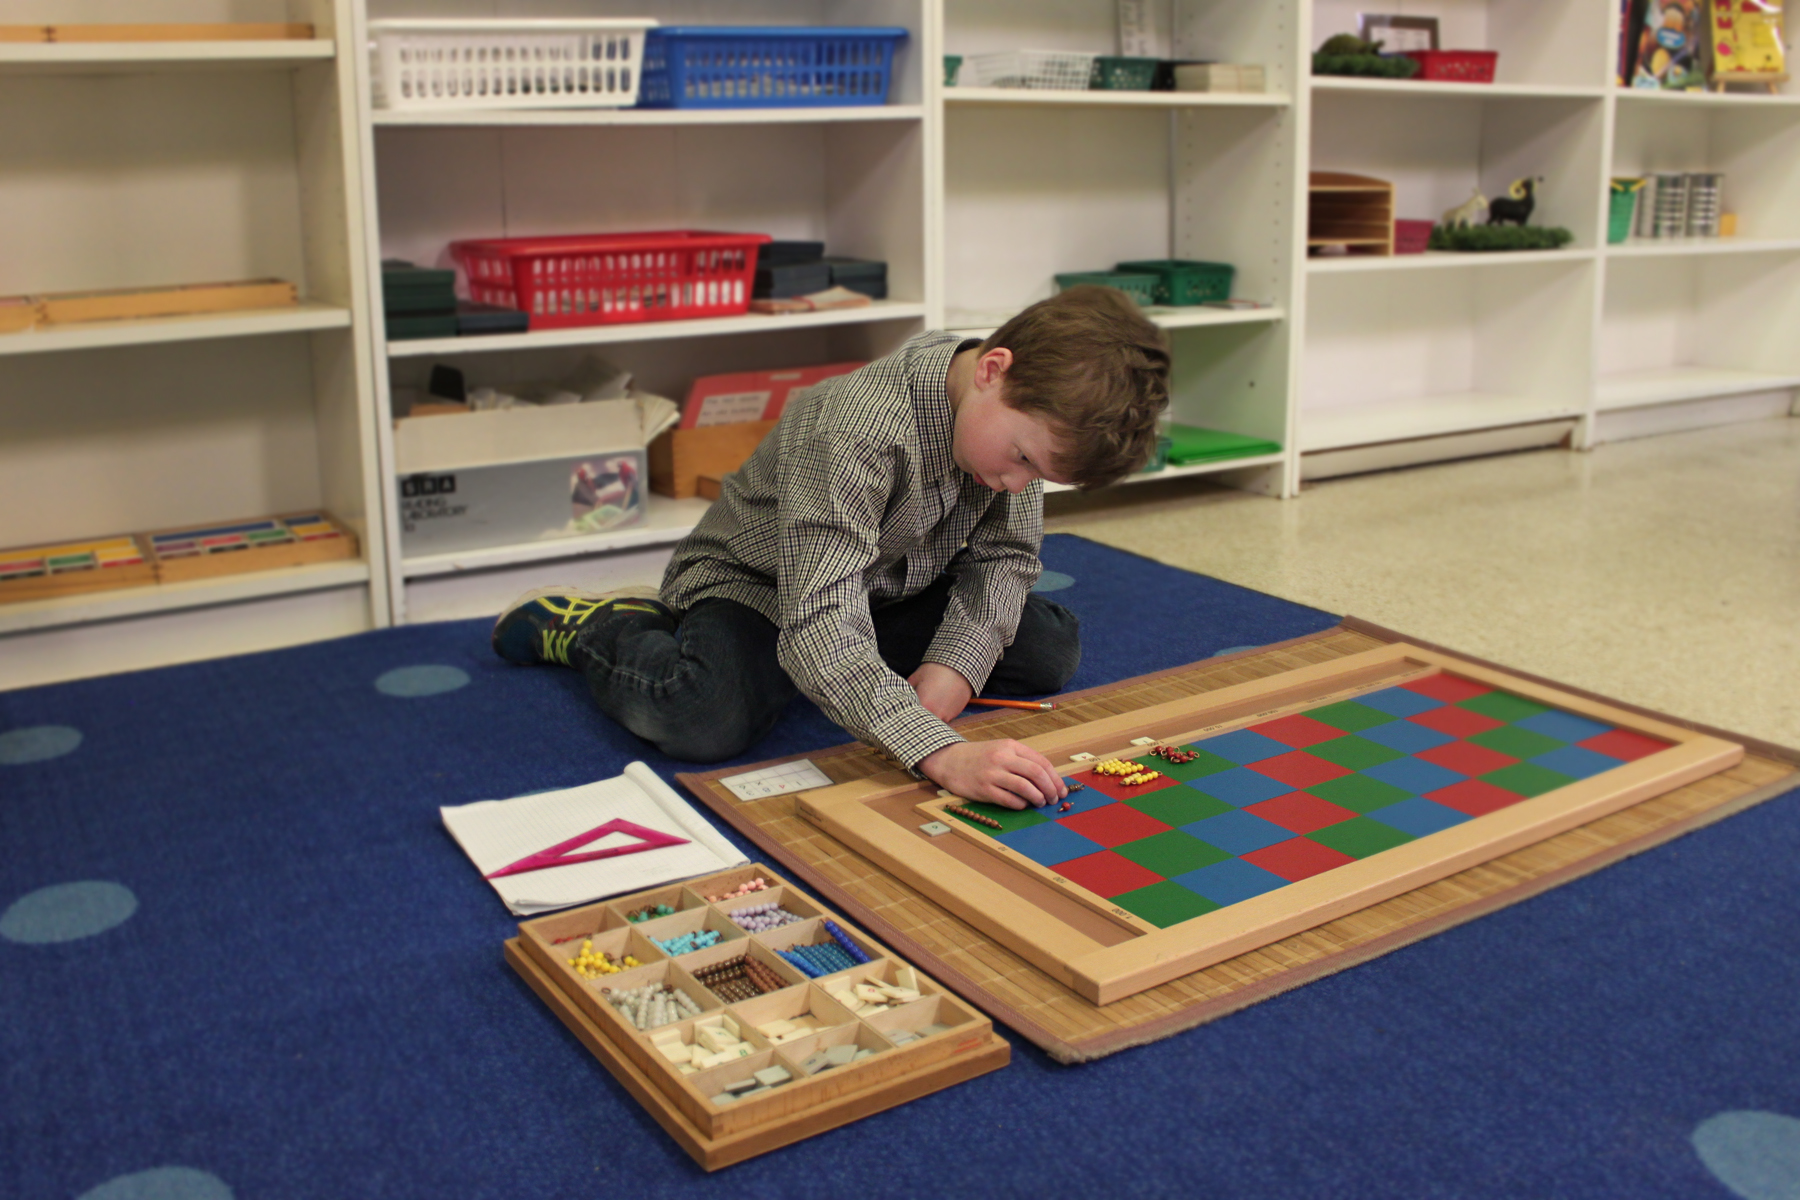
(1411, 237)
(612, 278)
(1455, 66)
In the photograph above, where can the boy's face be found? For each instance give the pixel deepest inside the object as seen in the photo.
(1000, 446)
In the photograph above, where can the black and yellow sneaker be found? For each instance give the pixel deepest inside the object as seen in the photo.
(540, 626)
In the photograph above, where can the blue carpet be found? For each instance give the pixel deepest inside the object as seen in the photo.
(239, 956)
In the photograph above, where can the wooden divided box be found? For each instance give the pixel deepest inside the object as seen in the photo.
(850, 1037)
(259, 544)
(96, 565)
(1352, 211)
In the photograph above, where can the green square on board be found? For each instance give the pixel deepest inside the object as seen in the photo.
(1164, 904)
(1527, 779)
(1349, 716)
(1358, 793)
(1360, 837)
(1009, 818)
(1520, 743)
(1354, 752)
(1503, 706)
(1207, 764)
(1171, 853)
(1177, 806)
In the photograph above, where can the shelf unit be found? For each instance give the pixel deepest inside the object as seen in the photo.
(976, 197)
(161, 163)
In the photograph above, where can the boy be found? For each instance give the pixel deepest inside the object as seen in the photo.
(878, 551)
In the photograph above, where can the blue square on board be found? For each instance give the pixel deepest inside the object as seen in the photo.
(1087, 798)
(1418, 816)
(1243, 746)
(1398, 702)
(1405, 737)
(1230, 881)
(1049, 843)
(1239, 787)
(1238, 832)
(1576, 762)
(1414, 774)
(1563, 726)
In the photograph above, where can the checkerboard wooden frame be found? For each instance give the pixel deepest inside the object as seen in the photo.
(990, 890)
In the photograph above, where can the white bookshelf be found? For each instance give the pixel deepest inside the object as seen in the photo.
(147, 164)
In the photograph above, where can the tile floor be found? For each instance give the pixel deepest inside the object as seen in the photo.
(1663, 571)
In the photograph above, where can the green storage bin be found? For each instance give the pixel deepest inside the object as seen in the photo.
(1623, 208)
(1138, 285)
(1191, 444)
(1182, 281)
(1115, 73)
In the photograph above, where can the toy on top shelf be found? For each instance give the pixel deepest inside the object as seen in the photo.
(1746, 44)
(1506, 227)
(1347, 54)
(1464, 214)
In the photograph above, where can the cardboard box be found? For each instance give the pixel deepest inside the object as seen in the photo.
(481, 479)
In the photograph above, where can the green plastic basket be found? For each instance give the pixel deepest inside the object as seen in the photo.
(1623, 209)
(1182, 281)
(1140, 287)
(1114, 73)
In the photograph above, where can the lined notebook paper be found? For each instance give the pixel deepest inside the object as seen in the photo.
(498, 833)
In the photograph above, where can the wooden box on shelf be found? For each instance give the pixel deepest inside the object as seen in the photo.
(257, 544)
(1353, 211)
(679, 457)
(58, 308)
(96, 565)
(917, 1044)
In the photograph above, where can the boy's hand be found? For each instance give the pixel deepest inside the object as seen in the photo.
(942, 691)
(1000, 772)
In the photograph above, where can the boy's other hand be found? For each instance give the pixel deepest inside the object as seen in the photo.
(942, 691)
(1000, 772)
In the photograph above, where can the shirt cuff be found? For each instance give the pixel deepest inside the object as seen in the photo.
(973, 663)
(913, 734)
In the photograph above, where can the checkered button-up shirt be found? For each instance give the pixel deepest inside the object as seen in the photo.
(854, 501)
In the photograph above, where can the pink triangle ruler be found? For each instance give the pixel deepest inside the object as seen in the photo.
(559, 856)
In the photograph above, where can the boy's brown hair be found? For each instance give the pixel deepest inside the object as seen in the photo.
(1096, 370)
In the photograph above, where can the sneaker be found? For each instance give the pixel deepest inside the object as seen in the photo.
(540, 626)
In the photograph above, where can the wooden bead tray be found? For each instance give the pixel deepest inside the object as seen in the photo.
(718, 1134)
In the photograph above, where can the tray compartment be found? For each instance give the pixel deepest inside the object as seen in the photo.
(813, 933)
(697, 964)
(706, 919)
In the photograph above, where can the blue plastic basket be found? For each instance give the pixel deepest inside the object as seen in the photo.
(748, 66)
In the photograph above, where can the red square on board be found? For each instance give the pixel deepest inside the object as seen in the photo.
(1296, 858)
(1109, 785)
(1457, 722)
(1466, 757)
(1297, 730)
(1474, 797)
(1622, 743)
(1299, 769)
(1301, 812)
(1106, 874)
(1113, 825)
(1447, 688)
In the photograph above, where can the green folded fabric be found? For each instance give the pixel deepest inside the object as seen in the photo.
(1190, 444)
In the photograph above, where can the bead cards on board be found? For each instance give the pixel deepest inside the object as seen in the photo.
(1202, 828)
(744, 1015)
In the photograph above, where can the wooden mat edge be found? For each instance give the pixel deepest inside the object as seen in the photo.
(1099, 1046)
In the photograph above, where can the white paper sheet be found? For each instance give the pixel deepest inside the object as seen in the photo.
(498, 833)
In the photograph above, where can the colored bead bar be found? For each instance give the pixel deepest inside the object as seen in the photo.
(744, 889)
(762, 917)
(653, 1005)
(590, 964)
(1174, 754)
(650, 913)
(843, 940)
(739, 979)
(976, 817)
(687, 943)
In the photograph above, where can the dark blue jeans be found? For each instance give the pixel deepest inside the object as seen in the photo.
(710, 686)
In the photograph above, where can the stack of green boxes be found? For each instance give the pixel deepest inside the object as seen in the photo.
(419, 302)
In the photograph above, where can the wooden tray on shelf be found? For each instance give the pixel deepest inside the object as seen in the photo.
(919, 1045)
(95, 565)
(256, 544)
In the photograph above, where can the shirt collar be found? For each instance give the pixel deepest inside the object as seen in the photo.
(935, 418)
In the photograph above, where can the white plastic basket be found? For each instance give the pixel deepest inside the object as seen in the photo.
(463, 65)
(1055, 70)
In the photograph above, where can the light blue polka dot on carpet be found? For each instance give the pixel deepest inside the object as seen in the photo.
(426, 679)
(1053, 581)
(1755, 1154)
(161, 1183)
(1232, 650)
(66, 912)
(35, 743)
